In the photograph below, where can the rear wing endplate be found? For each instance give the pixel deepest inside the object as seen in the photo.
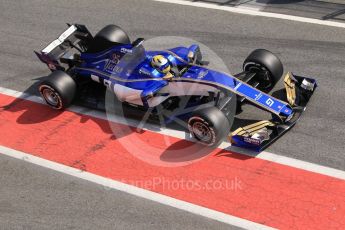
(73, 40)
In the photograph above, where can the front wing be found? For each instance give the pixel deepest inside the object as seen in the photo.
(260, 135)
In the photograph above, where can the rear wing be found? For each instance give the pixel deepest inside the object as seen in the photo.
(60, 53)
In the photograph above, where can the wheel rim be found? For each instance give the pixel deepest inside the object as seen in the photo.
(50, 96)
(201, 132)
(264, 76)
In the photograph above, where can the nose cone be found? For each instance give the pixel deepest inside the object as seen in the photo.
(202, 74)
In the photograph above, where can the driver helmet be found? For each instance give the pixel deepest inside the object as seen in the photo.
(160, 63)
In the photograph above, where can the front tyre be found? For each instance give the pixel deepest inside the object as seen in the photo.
(58, 90)
(209, 126)
(267, 66)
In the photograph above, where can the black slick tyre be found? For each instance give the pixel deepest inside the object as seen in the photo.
(267, 66)
(58, 90)
(209, 126)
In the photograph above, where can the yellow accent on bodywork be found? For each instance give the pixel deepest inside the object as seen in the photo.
(252, 128)
(290, 89)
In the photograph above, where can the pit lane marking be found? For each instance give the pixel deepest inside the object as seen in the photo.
(311, 167)
(133, 190)
(254, 12)
(264, 186)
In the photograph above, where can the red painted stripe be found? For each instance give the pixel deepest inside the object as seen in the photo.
(254, 189)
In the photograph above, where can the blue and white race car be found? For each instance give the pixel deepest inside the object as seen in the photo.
(160, 80)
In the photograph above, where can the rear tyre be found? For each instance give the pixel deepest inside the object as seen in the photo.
(113, 33)
(267, 66)
(209, 126)
(107, 37)
(58, 90)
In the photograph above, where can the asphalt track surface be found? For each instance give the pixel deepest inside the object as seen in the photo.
(318, 9)
(37, 198)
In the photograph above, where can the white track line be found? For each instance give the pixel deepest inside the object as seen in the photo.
(311, 167)
(166, 200)
(251, 6)
(254, 12)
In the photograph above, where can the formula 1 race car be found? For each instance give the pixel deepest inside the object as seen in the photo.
(148, 80)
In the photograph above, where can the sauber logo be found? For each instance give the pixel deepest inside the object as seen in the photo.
(144, 71)
(252, 140)
(124, 50)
